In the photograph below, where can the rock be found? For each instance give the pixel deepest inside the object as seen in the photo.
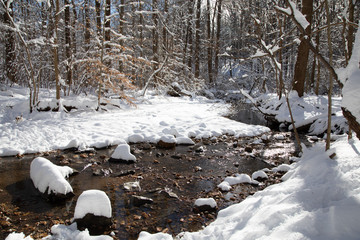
(95, 224)
(197, 168)
(167, 192)
(93, 211)
(125, 173)
(122, 154)
(205, 205)
(138, 201)
(132, 186)
(166, 145)
(248, 149)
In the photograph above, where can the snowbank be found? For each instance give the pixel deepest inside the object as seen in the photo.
(93, 201)
(309, 110)
(46, 175)
(319, 199)
(154, 117)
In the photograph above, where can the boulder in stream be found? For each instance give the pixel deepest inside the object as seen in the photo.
(50, 180)
(122, 154)
(205, 204)
(93, 211)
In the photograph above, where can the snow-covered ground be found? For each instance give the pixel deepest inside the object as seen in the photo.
(319, 198)
(152, 118)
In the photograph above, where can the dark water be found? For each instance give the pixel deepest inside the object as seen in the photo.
(185, 171)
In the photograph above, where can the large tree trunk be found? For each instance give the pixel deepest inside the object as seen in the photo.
(87, 25)
(56, 48)
(209, 47)
(68, 44)
(303, 51)
(354, 124)
(217, 39)
(197, 39)
(10, 69)
(155, 36)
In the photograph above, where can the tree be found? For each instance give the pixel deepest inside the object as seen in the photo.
(303, 50)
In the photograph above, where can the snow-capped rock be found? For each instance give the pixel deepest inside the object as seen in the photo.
(48, 176)
(259, 174)
(93, 211)
(122, 153)
(205, 204)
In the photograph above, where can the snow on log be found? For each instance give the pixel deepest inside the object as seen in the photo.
(122, 153)
(48, 176)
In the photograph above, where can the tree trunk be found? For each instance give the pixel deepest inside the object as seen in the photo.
(68, 44)
(350, 36)
(98, 17)
(197, 39)
(217, 39)
(107, 30)
(10, 69)
(328, 132)
(209, 47)
(303, 51)
(155, 36)
(55, 48)
(87, 25)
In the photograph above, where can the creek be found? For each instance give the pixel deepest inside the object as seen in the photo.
(190, 172)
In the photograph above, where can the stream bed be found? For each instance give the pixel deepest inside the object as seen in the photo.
(173, 178)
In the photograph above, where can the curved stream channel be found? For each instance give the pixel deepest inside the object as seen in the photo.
(189, 172)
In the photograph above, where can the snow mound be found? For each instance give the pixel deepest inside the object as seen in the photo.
(259, 174)
(156, 236)
(135, 138)
(205, 202)
(282, 168)
(168, 139)
(93, 201)
(184, 141)
(224, 186)
(46, 175)
(18, 236)
(63, 232)
(122, 152)
(238, 178)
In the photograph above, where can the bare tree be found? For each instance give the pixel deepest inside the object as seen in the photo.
(303, 51)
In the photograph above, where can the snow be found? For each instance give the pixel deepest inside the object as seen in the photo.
(48, 176)
(205, 202)
(224, 186)
(184, 141)
(319, 198)
(282, 168)
(93, 201)
(135, 138)
(300, 18)
(156, 236)
(259, 174)
(122, 152)
(168, 139)
(238, 178)
(62, 232)
(86, 128)
(18, 236)
(308, 110)
(350, 78)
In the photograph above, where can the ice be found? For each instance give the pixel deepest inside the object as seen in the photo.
(122, 152)
(93, 201)
(48, 176)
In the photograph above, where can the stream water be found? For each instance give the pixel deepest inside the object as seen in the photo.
(189, 172)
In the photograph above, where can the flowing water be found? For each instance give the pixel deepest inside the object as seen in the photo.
(189, 172)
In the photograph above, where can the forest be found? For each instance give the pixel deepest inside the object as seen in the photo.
(111, 46)
(99, 97)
